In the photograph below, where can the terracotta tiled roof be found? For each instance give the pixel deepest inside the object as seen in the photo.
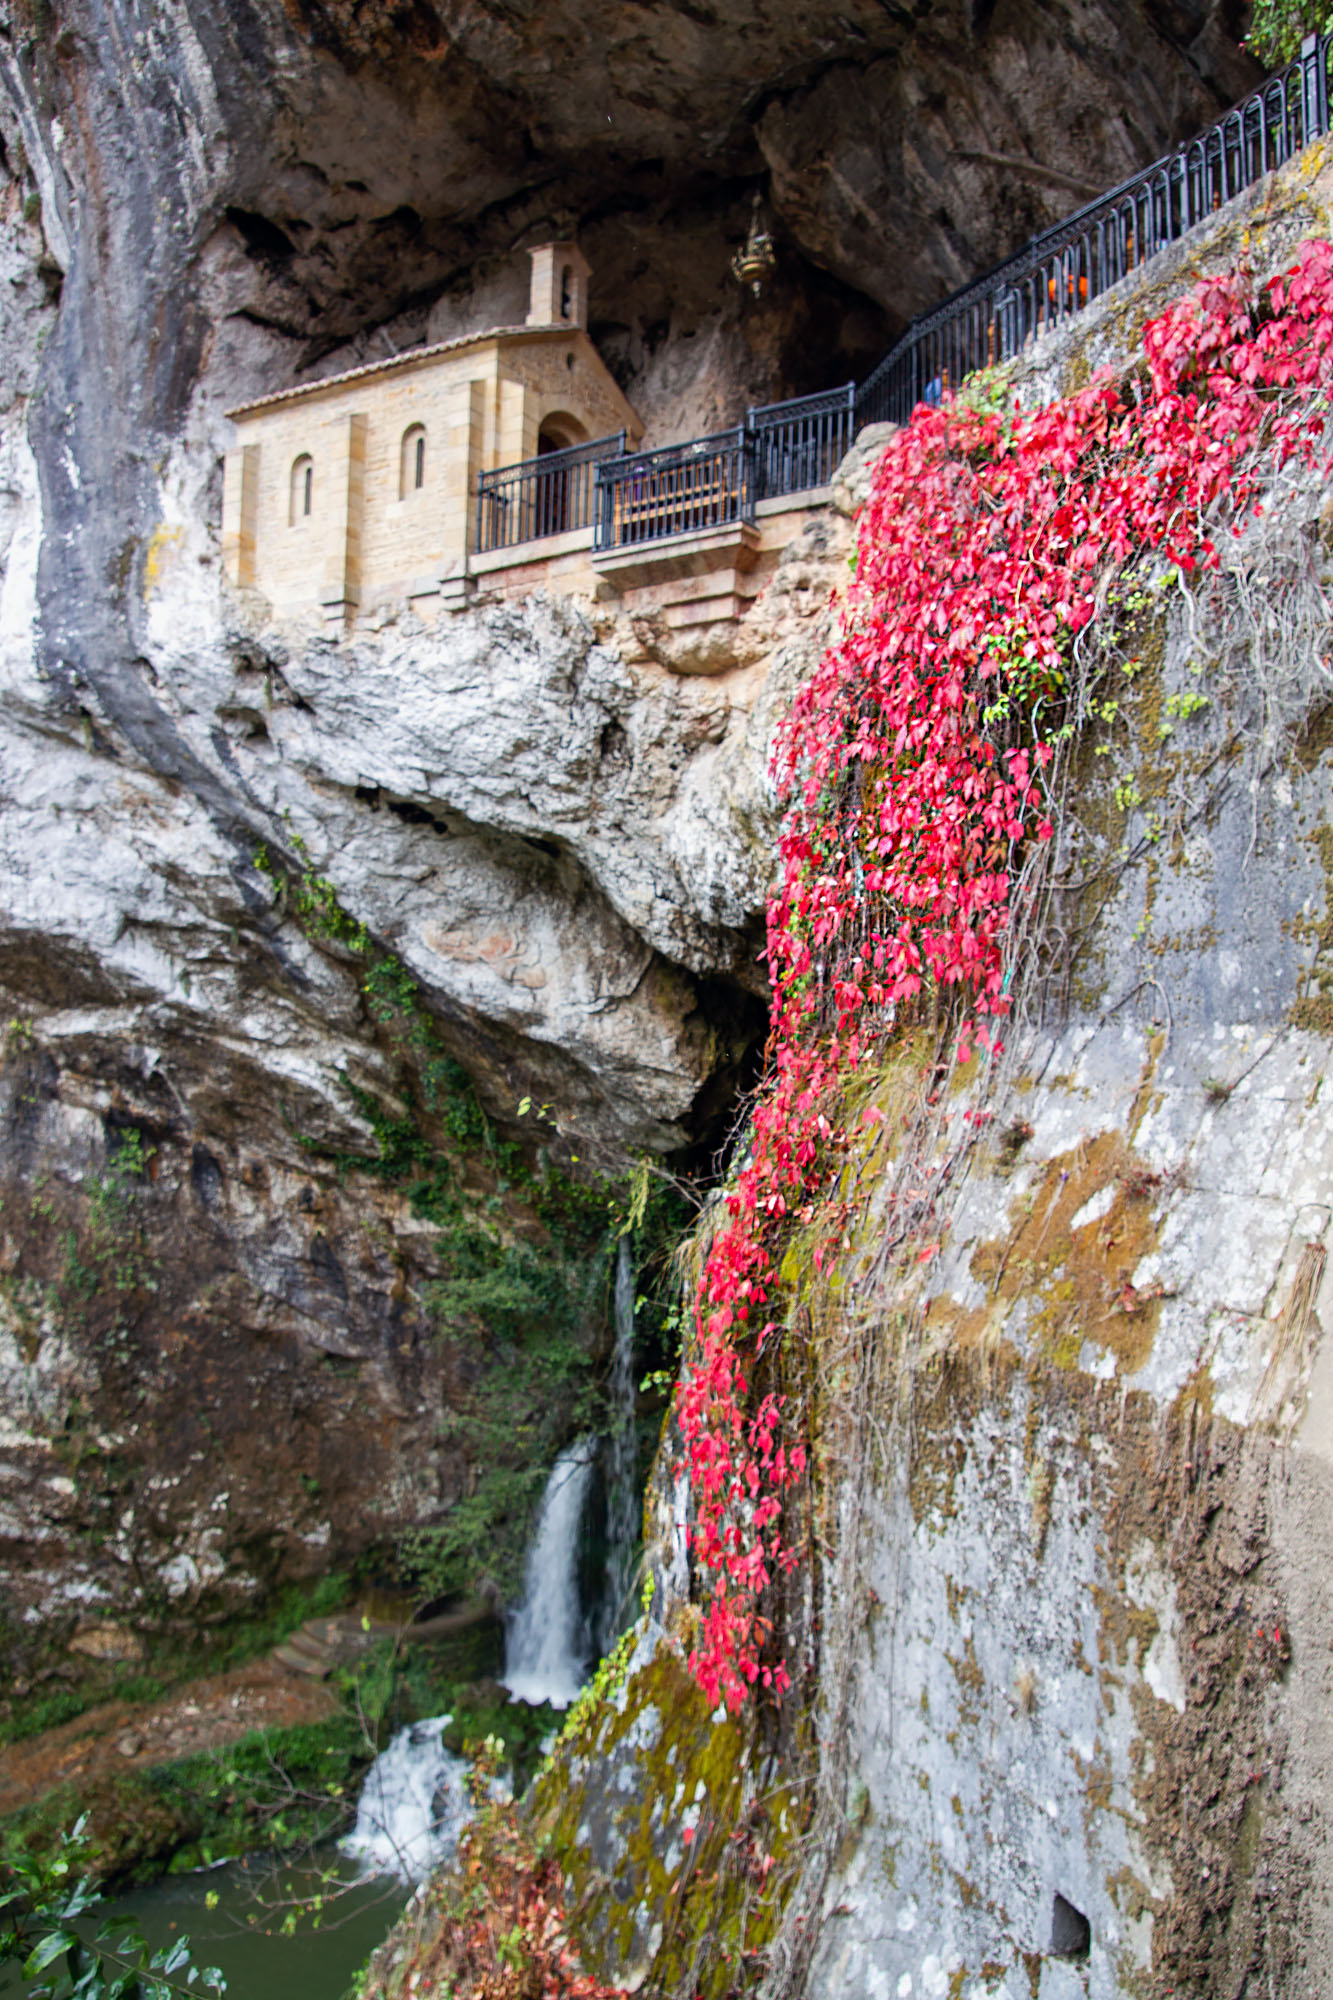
(403, 360)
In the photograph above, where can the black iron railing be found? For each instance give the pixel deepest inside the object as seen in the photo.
(801, 443)
(1061, 270)
(795, 446)
(707, 483)
(549, 495)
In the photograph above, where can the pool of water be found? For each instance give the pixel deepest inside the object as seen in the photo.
(234, 1918)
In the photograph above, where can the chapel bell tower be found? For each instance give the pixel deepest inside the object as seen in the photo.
(559, 295)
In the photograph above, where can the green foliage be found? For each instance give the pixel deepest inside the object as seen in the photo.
(487, 1527)
(277, 1788)
(316, 901)
(1278, 27)
(112, 1260)
(675, 1325)
(529, 1304)
(212, 1651)
(1021, 685)
(989, 393)
(46, 1930)
(640, 1194)
(512, 1950)
(1179, 708)
(313, 899)
(508, 1288)
(510, 1427)
(609, 1678)
(519, 1729)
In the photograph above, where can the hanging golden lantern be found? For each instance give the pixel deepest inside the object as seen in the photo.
(756, 256)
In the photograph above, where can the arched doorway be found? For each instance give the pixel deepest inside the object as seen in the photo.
(552, 494)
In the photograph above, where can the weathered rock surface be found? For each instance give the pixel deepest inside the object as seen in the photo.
(566, 847)
(1071, 1675)
(567, 854)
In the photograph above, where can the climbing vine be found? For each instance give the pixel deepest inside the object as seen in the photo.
(915, 769)
(1278, 27)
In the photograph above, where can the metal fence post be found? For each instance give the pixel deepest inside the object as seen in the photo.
(750, 474)
(1314, 88)
(600, 540)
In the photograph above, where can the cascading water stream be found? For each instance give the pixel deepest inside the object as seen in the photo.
(413, 1805)
(547, 1643)
(622, 1487)
(546, 1646)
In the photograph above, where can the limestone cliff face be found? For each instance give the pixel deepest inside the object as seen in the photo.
(565, 846)
(208, 823)
(1062, 1643)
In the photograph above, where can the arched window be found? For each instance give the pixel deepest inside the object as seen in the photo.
(566, 291)
(412, 465)
(303, 490)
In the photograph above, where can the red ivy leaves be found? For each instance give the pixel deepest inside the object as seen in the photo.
(987, 543)
(514, 1942)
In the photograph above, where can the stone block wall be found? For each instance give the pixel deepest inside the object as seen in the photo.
(372, 534)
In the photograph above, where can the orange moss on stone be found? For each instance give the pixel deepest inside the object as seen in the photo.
(1079, 1275)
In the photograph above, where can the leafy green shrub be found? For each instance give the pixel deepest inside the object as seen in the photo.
(44, 1930)
(1278, 27)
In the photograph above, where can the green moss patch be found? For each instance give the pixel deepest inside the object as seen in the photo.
(675, 1829)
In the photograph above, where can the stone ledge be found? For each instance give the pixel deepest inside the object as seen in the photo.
(734, 546)
(544, 548)
(794, 503)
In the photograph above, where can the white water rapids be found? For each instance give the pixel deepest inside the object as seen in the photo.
(413, 1805)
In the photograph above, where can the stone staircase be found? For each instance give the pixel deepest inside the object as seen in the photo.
(322, 1644)
(469, 1638)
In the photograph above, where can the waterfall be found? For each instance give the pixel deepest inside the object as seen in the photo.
(547, 1644)
(413, 1805)
(546, 1649)
(622, 1460)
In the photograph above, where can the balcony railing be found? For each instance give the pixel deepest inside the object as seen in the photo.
(1063, 269)
(549, 495)
(801, 443)
(683, 490)
(795, 446)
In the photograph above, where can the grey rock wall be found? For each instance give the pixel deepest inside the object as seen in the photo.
(1096, 1598)
(1082, 1635)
